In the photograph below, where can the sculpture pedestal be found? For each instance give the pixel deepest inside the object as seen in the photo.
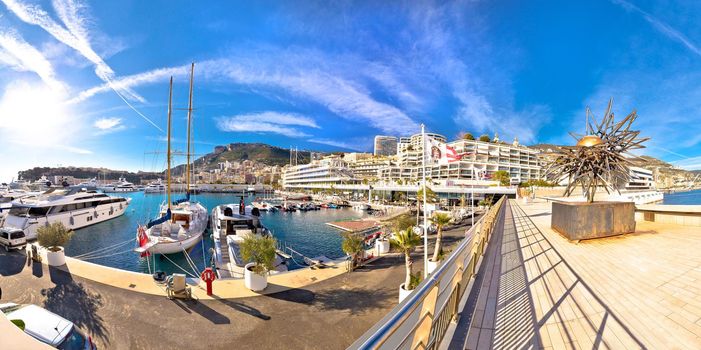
(581, 220)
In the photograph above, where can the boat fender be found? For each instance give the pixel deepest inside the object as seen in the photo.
(111, 210)
(71, 221)
(95, 214)
(120, 206)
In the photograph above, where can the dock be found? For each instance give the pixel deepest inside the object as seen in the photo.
(355, 226)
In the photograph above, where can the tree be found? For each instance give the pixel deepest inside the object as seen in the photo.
(440, 220)
(430, 195)
(406, 241)
(54, 235)
(467, 136)
(485, 138)
(259, 250)
(401, 223)
(354, 246)
(503, 177)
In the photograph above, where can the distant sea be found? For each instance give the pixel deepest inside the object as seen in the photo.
(688, 198)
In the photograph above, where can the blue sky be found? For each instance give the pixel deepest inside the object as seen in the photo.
(86, 84)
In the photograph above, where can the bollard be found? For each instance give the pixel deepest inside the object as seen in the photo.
(208, 277)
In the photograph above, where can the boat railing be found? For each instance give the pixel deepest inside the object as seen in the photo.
(423, 318)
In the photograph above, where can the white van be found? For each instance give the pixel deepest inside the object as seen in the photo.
(47, 327)
(12, 238)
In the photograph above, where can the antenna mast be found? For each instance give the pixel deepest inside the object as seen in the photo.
(170, 101)
(189, 125)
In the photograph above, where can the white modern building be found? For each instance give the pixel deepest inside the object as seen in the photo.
(385, 145)
(640, 179)
(320, 174)
(479, 161)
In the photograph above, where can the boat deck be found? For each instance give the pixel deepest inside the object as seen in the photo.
(628, 292)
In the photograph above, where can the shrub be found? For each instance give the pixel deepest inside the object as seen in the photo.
(485, 138)
(467, 136)
(54, 235)
(353, 245)
(259, 250)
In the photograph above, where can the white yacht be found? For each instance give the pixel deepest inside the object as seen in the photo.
(228, 230)
(155, 187)
(41, 184)
(73, 207)
(92, 183)
(181, 223)
(120, 186)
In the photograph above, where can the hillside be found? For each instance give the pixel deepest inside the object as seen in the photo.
(259, 152)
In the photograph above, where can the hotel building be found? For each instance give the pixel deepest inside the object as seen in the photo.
(385, 145)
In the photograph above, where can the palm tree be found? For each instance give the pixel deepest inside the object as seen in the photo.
(440, 220)
(353, 245)
(406, 241)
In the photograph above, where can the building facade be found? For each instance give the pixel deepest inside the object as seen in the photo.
(478, 161)
(385, 145)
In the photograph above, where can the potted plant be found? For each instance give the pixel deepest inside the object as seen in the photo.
(440, 220)
(53, 237)
(406, 241)
(354, 246)
(259, 251)
(382, 244)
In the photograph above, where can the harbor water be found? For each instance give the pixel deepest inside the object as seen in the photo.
(305, 232)
(683, 198)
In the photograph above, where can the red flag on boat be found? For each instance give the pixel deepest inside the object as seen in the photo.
(143, 240)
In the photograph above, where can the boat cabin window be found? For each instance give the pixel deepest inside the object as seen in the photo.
(16, 234)
(38, 211)
(3, 234)
(19, 211)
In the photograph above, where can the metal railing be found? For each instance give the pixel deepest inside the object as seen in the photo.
(422, 319)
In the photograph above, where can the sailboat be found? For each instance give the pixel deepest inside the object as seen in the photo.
(181, 222)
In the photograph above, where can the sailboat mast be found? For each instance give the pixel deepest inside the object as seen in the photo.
(189, 125)
(170, 102)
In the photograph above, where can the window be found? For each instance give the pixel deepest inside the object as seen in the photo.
(39, 211)
(3, 234)
(17, 235)
(19, 211)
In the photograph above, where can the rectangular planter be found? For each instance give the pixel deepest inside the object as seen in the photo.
(581, 220)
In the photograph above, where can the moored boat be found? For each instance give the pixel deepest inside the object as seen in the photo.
(75, 208)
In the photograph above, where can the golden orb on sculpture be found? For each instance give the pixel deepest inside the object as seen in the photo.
(589, 141)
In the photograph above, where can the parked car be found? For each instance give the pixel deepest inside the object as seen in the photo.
(47, 327)
(12, 238)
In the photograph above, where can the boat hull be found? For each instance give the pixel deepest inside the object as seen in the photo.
(72, 220)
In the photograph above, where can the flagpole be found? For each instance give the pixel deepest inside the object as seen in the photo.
(472, 197)
(423, 160)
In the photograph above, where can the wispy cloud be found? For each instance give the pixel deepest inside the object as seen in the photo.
(274, 118)
(25, 57)
(661, 26)
(354, 146)
(267, 122)
(108, 125)
(233, 125)
(130, 81)
(76, 36)
(345, 98)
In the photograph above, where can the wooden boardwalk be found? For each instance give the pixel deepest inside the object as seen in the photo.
(629, 292)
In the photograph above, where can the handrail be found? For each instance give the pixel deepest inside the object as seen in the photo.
(466, 257)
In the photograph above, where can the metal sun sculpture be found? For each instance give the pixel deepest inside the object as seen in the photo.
(600, 158)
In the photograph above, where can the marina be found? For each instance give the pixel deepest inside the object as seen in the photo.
(365, 175)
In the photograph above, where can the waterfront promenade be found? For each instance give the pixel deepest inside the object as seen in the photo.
(628, 292)
(317, 313)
